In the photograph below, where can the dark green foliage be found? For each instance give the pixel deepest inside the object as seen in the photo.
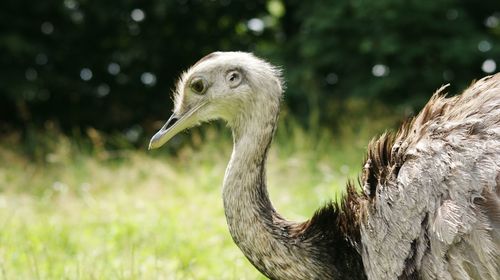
(46, 44)
(334, 47)
(328, 48)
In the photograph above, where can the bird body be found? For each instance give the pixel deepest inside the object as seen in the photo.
(431, 191)
(429, 206)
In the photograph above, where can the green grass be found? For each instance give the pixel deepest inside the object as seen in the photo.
(76, 214)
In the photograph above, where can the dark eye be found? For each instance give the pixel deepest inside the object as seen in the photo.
(233, 78)
(198, 85)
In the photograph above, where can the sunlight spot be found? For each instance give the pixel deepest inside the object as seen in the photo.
(331, 78)
(103, 90)
(484, 46)
(148, 79)
(489, 66)
(86, 74)
(114, 68)
(70, 4)
(31, 74)
(491, 21)
(452, 14)
(276, 8)
(138, 15)
(380, 70)
(256, 25)
(77, 16)
(47, 28)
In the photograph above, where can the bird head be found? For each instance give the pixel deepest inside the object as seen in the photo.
(233, 86)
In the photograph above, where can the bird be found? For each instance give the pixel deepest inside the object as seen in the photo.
(427, 205)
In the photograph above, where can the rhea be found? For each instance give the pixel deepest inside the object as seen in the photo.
(428, 205)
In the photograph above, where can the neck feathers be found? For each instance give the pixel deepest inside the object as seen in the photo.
(321, 248)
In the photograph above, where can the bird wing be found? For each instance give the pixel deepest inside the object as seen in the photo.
(433, 191)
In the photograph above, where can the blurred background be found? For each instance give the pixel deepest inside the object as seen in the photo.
(111, 66)
(85, 83)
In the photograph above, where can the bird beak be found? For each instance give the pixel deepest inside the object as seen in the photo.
(175, 124)
(165, 133)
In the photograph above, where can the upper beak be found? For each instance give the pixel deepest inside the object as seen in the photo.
(164, 134)
(174, 125)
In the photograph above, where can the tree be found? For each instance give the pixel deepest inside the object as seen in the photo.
(395, 51)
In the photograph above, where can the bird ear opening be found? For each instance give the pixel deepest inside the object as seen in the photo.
(234, 78)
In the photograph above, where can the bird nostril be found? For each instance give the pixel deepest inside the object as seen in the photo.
(171, 122)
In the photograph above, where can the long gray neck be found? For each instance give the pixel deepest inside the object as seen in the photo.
(262, 234)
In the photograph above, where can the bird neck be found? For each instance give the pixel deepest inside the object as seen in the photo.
(259, 231)
(247, 205)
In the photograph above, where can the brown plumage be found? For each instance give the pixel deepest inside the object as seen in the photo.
(429, 201)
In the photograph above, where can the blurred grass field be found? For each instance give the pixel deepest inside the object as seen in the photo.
(73, 212)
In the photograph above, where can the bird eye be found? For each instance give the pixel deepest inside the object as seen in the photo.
(198, 85)
(233, 78)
